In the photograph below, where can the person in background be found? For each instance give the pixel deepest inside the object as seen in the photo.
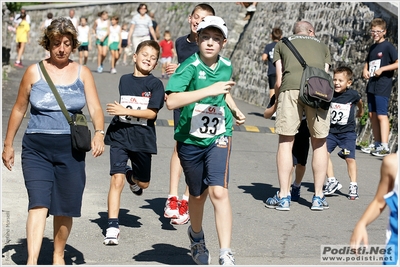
(268, 55)
(22, 38)
(101, 27)
(156, 27)
(71, 16)
(18, 18)
(54, 174)
(114, 43)
(6, 38)
(47, 21)
(84, 40)
(141, 27)
(124, 43)
(381, 62)
(167, 53)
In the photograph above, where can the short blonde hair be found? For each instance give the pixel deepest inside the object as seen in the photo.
(59, 27)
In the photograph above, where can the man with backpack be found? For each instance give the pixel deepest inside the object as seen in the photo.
(290, 111)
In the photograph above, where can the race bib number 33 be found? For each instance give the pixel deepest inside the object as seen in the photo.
(207, 121)
(134, 102)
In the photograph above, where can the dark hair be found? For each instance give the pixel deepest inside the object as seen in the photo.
(140, 6)
(151, 43)
(59, 27)
(49, 15)
(205, 7)
(276, 33)
(345, 69)
(101, 13)
(115, 17)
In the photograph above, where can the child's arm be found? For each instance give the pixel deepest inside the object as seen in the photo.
(360, 110)
(119, 110)
(389, 168)
(239, 116)
(393, 66)
(366, 74)
(178, 100)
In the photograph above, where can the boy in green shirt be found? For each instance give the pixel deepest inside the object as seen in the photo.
(200, 86)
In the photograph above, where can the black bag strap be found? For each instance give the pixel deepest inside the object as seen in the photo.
(296, 53)
(56, 94)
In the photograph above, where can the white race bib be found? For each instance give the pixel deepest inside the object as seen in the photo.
(340, 113)
(207, 121)
(134, 102)
(373, 66)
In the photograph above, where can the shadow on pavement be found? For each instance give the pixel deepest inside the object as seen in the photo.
(72, 256)
(125, 219)
(160, 252)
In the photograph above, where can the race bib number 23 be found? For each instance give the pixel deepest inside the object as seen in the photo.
(207, 121)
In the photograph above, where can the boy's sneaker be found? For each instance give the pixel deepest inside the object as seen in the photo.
(284, 204)
(381, 152)
(353, 192)
(171, 210)
(100, 69)
(198, 249)
(112, 236)
(295, 193)
(318, 203)
(251, 8)
(132, 185)
(113, 71)
(331, 187)
(226, 259)
(325, 204)
(343, 153)
(183, 213)
(368, 149)
(272, 202)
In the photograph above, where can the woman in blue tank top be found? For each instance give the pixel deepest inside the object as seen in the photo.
(54, 173)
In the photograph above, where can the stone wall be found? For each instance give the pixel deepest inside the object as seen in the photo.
(342, 25)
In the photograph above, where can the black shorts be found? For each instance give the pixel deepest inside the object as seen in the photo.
(301, 144)
(83, 48)
(124, 43)
(141, 163)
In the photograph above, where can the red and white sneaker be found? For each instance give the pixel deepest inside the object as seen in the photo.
(183, 213)
(171, 210)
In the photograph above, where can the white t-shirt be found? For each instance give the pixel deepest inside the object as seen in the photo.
(17, 19)
(83, 34)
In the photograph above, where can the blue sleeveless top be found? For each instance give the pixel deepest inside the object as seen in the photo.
(45, 114)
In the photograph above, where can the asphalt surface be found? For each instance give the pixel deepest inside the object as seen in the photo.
(261, 236)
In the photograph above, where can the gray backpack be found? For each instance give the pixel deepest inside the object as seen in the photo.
(316, 87)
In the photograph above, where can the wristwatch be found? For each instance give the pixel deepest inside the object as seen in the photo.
(100, 131)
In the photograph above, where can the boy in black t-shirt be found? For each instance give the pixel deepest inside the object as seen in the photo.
(342, 129)
(131, 134)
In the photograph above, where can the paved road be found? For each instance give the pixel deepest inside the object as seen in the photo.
(261, 236)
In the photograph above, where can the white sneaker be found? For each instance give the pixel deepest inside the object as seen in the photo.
(112, 236)
(113, 71)
(369, 149)
(226, 259)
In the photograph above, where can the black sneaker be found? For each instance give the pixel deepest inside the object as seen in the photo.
(132, 185)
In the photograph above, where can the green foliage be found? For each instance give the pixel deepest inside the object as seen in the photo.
(344, 39)
(14, 7)
(364, 118)
(363, 143)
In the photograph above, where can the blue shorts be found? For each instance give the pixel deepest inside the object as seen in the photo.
(344, 141)
(205, 166)
(54, 173)
(301, 145)
(378, 104)
(140, 162)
